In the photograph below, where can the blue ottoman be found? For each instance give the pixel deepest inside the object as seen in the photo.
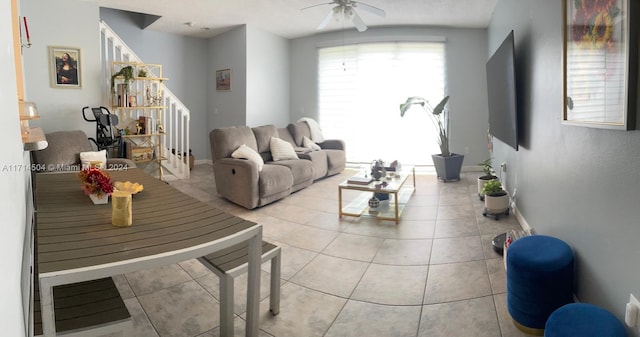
(539, 280)
(584, 320)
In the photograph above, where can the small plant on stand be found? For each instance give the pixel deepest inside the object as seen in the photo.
(496, 199)
(488, 176)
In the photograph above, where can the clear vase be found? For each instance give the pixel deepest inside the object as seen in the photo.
(99, 200)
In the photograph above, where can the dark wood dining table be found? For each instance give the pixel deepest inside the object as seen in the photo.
(77, 242)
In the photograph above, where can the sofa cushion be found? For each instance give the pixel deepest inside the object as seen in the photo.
(319, 162)
(282, 150)
(245, 152)
(302, 171)
(274, 180)
(63, 150)
(263, 136)
(336, 160)
(284, 134)
(299, 130)
(226, 140)
(308, 143)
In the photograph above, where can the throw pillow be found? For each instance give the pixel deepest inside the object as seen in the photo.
(281, 149)
(98, 158)
(245, 152)
(308, 143)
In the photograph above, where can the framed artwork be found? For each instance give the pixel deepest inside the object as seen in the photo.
(600, 61)
(223, 80)
(64, 67)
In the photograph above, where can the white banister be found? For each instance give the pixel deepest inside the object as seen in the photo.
(176, 116)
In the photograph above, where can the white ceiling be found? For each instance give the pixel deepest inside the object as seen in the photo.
(285, 18)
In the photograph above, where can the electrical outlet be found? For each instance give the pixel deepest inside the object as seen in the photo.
(466, 150)
(503, 167)
(631, 312)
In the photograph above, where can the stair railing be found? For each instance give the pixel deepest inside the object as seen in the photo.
(176, 117)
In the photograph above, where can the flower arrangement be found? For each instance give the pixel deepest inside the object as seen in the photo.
(95, 181)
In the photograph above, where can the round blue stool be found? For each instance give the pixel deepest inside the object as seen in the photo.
(584, 320)
(539, 280)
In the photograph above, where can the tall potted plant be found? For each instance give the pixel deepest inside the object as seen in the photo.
(447, 164)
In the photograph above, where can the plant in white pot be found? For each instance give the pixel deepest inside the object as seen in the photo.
(488, 175)
(447, 164)
(496, 199)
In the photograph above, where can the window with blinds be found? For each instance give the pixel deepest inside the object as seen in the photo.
(361, 87)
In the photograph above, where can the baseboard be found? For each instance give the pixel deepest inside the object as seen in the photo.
(419, 168)
(521, 220)
(471, 168)
(203, 161)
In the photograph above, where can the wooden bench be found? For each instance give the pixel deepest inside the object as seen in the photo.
(89, 308)
(232, 262)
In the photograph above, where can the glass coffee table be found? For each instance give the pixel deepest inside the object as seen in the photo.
(398, 190)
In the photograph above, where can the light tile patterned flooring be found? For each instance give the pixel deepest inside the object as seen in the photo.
(434, 274)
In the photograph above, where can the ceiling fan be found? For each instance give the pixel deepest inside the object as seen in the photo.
(348, 9)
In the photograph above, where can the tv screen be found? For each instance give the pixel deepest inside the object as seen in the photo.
(501, 90)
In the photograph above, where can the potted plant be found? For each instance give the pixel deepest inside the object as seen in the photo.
(447, 164)
(127, 75)
(488, 175)
(496, 199)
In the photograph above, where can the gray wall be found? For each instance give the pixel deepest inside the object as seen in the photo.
(267, 78)
(228, 51)
(185, 64)
(575, 183)
(466, 56)
(61, 109)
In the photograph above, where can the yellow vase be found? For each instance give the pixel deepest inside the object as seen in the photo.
(121, 209)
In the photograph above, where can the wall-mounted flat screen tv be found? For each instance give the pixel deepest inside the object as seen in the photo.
(501, 89)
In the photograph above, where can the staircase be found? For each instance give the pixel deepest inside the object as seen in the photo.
(176, 116)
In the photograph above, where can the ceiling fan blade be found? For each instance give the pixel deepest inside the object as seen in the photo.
(326, 20)
(322, 4)
(357, 20)
(371, 9)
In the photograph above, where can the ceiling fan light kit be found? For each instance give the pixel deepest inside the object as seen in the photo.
(348, 9)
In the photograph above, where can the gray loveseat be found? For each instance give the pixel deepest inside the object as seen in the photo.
(63, 153)
(240, 180)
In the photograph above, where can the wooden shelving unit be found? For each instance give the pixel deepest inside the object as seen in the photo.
(139, 106)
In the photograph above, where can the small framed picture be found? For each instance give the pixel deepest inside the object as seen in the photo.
(64, 67)
(223, 80)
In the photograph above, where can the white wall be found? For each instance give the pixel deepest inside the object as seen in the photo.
(14, 182)
(267, 78)
(228, 51)
(61, 109)
(466, 55)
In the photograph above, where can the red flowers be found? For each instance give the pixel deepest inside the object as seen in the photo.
(95, 181)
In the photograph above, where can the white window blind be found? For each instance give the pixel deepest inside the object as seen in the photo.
(360, 89)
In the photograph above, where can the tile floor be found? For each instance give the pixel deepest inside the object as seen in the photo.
(434, 274)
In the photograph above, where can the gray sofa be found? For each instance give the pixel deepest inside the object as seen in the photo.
(240, 181)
